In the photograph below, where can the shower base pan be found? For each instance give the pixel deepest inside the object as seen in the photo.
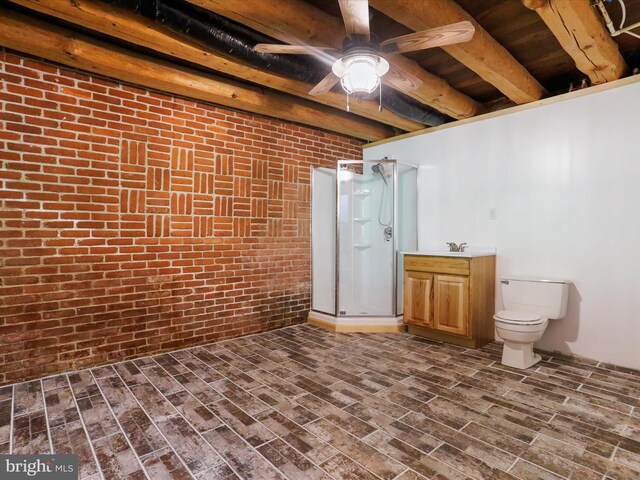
(346, 323)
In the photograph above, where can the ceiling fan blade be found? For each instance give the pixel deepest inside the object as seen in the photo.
(355, 14)
(325, 84)
(293, 49)
(434, 37)
(400, 79)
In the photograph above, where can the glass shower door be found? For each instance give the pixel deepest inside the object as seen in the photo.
(323, 233)
(406, 223)
(366, 243)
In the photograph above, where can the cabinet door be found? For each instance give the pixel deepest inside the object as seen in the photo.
(451, 304)
(418, 291)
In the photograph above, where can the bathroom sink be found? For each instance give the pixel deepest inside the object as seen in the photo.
(446, 253)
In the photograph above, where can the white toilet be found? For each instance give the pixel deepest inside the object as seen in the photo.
(529, 305)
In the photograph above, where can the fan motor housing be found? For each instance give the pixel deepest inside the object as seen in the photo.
(359, 43)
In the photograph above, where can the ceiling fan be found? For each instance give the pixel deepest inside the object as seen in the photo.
(362, 64)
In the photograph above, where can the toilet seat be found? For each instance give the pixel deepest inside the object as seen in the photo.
(515, 317)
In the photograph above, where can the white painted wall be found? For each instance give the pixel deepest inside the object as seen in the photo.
(565, 180)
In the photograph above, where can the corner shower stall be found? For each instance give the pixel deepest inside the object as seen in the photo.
(363, 213)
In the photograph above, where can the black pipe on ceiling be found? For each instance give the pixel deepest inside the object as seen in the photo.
(222, 34)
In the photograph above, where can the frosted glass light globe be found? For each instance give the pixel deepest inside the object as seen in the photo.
(360, 74)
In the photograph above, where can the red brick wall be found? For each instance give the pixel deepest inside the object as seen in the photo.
(133, 222)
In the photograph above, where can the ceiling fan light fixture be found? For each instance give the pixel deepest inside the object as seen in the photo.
(360, 73)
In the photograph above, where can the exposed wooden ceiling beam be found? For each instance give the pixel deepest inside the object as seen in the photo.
(104, 18)
(482, 54)
(296, 21)
(28, 35)
(583, 35)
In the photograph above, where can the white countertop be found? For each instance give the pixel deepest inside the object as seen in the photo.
(446, 253)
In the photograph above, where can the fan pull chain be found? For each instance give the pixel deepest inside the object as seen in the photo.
(380, 104)
(348, 102)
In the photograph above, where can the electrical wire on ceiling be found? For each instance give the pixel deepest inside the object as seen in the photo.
(224, 35)
(609, 23)
(624, 18)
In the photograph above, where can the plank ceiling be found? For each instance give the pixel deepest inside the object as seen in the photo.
(520, 30)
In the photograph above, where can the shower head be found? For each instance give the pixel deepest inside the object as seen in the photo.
(379, 169)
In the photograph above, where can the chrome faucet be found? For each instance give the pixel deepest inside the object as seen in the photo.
(456, 248)
(453, 247)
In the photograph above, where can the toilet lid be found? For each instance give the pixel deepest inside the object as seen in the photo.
(519, 318)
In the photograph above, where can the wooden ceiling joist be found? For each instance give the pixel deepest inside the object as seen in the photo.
(482, 54)
(296, 21)
(118, 23)
(583, 35)
(34, 37)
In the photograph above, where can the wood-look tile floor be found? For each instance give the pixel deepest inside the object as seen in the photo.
(302, 403)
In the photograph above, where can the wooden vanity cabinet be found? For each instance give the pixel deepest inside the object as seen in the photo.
(450, 298)
(418, 299)
(451, 303)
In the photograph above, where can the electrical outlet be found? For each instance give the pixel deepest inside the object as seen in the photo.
(493, 213)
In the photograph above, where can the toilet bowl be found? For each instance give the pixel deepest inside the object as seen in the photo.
(529, 303)
(519, 335)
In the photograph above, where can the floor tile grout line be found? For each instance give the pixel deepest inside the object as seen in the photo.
(277, 436)
(613, 453)
(513, 464)
(533, 440)
(315, 464)
(153, 422)
(46, 416)
(603, 393)
(84, 428)
(570, 461)
(451, 465)
(537, 433)
(262, 384)
(395, 380)
(112, 364)
(349, 434)
(212, 367)
(489, 392)
(255, 449)
(11, 422)
(464, 434)
(124, 434)
(251, 335)
(440, 443)
(457, 468)
(209, 384)
(546, 469)
(178, 414)
(592, 438)
(267, 428)
(400, 474)
(340, 452)
(440, 423)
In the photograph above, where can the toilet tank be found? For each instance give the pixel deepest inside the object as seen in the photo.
(547, 298)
